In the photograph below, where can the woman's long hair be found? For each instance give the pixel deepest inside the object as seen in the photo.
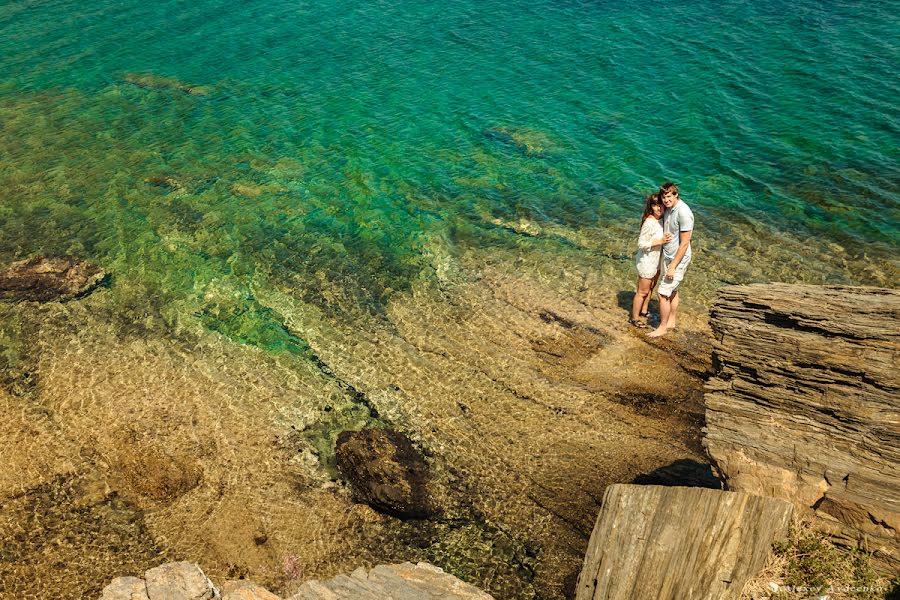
(652, 200)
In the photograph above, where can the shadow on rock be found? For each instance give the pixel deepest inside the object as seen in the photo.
(684, 472)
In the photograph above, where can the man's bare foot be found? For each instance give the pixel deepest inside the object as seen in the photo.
(658, 332)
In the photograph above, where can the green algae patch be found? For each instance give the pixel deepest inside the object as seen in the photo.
(159, 82)
(18, 367)
(528, 141)
(244, 321)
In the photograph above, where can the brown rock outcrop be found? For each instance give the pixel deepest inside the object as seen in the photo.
(169, 581)
(385, 471)
(405, 581)
(46, 278)
(125, 588)
(179, 581)
(245, 590)
(671, 543)
(805, 403)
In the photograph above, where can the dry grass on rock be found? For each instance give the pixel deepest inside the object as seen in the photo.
(809, 565)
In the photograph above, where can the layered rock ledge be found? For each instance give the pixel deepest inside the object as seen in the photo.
(671, 543)
(805, 404)
(406, 581)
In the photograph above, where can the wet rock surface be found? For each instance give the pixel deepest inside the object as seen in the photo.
(805, 403)
(385, 471)
(48, 278)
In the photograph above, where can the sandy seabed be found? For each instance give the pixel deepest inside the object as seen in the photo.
(517, 376)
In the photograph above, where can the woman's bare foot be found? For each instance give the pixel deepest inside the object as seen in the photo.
(658, 332)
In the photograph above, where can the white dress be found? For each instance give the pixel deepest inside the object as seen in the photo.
(647, 257)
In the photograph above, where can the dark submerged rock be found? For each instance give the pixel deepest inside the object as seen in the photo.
(48, 278)
(385, 471)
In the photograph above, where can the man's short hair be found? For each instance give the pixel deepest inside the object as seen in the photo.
(666, 188)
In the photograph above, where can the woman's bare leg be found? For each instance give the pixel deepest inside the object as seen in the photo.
(645, 308)
(641, 296)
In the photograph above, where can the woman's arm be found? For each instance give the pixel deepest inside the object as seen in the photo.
(646, 241)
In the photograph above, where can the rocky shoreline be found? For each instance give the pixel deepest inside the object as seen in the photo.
(520, 386)
(477, 431)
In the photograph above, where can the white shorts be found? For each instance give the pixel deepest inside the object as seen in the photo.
(668, 286)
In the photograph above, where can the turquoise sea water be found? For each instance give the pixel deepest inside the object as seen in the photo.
(249, 168)
(326, 143)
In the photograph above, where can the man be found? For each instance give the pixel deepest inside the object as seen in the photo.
(678, 220)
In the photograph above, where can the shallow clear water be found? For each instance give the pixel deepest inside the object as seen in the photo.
(279, 172)
(325, 143)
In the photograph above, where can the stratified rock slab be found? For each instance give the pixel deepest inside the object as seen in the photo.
(246, 590)
(179, 581)
(46, 278)
(125, 588)
(678, 543)
(805, 404)
(405, 581)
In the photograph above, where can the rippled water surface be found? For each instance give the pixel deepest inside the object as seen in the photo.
(249, 172)
(332, 139)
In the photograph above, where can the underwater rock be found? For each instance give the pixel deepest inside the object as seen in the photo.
(48, 278)
(245, 189)
(154, 474)
(186, 581)
(684, 473)
(157, 82)
(385, 471)
(166, 182)
(527, 141)
(182, 580)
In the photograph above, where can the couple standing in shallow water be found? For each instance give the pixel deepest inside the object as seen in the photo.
(664, 247)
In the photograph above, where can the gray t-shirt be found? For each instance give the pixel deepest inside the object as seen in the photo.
(675, 220)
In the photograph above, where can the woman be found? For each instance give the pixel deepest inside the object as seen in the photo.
(649, 245)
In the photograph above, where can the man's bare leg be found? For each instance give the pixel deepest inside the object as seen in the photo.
(665, 309)
(673, 313)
